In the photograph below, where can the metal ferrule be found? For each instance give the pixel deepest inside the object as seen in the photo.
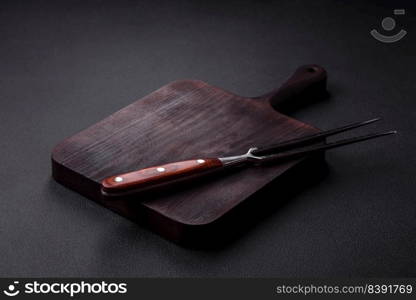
(238, 160)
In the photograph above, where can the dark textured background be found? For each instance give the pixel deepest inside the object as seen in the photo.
(65, 66)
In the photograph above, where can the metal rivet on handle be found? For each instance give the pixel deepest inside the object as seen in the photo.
(200, 161)
(118, 179)
(160, 169)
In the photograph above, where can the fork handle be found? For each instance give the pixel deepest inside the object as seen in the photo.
(157, 176)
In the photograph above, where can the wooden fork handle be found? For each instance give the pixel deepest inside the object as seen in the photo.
(162, 175)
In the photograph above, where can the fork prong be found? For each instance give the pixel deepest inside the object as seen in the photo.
(322, 147)
(305, 140)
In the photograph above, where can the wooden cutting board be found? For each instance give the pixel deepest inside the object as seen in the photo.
(183, 120)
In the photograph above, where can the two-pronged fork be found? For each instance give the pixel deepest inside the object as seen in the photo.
(157, 176)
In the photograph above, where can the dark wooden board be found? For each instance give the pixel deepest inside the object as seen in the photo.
(183, 120)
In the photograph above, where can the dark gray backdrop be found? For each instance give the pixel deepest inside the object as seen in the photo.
(66, 65)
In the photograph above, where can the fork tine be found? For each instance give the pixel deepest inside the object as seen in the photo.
(310, 138)
(322, 147)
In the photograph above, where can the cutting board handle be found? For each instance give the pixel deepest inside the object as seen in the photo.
(305, 86)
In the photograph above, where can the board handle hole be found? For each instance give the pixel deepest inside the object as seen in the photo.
(312, 69)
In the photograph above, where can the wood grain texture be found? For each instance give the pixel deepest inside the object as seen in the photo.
(180, 121)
